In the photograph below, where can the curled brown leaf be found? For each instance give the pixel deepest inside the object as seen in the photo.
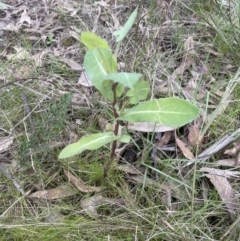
(79, 184)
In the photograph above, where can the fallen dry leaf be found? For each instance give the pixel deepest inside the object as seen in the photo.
(186, 152)
(237, 163)
(227, 162)
(224, 173)
(166, 197)
(191, 91)
(149, 127)
(225, 192)
(233, 151)
(90, 205)
(128, 169)
(194, 136)
(79, 184)
(24, 71)
(166, 137)
(54, 216)
(116, 22)
(5, 142)
(188, 58)
(72, 64)
(61, 191)
(21, 53)
(146, 181)
(83, 80)
(11, 27)
(103, 3)
(38, 58)
(162, 139)
(24, 19)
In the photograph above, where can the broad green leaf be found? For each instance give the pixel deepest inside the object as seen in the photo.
(4, 6)
(91, 142)
(139, 92)
(168, 111)
(125, 139)
(121, 33)
(99, 62)
(126, 79)
(92, 40)
(107, 84)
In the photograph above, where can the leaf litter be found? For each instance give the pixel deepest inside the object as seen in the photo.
(62, 191)
(225, 192)
(186, 152)
(79, 184)
(90, 205)
(5, 143)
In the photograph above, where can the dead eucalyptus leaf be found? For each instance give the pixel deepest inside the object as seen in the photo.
(166, 137)
(149, 127)
(162, 140)
(61, 191)
(24, 71)
(79, 184)
(90, 205)
(128, 169)
(233, 151)
(166, 197)
(72, 64)
(188, 58)
(191, 91)
(237, 163)
(21, 53)
(186, 152)
(5, 142)
(38, 58)
(227, 162)
(194, 136)
(84, 80)
(102, 3)
(225, 192)
(116, 22)
(219, 172)
(24, 19)
(148, 182)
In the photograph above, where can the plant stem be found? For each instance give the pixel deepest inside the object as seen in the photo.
(114, 144)
(117, 49)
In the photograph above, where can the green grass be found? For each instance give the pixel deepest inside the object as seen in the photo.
(159, 204)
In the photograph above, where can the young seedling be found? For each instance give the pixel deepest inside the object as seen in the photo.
(101, 68)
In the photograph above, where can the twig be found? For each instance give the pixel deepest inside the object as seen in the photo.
(4, 169)
(14, 81)
(216, 147)
(28, 111)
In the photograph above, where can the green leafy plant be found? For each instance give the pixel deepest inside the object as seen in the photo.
(101, 68)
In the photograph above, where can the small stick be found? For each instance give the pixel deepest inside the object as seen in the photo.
(114, 144)
(216, 147)
(28, 111)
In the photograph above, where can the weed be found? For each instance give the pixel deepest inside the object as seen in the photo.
(101, 68)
